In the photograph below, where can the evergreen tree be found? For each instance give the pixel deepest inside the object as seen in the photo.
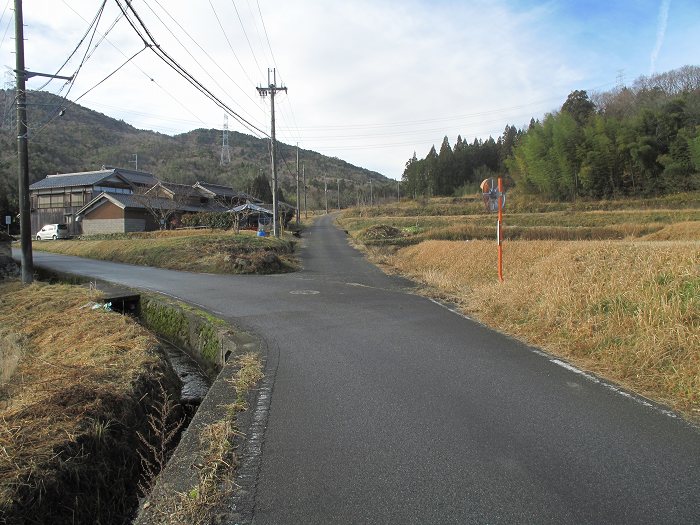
(578, 106)
(260, 188)
(445, 177)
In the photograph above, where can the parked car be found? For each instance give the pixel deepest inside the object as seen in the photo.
(53, 231)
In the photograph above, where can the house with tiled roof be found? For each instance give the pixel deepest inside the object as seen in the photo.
(224, 195)
(137, 212)
(57, 198)
(118, 200)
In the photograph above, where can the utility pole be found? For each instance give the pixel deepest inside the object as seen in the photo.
(338, 194)
(271, 89)
(23, 150)
(398, 191)
(298, 207)
(371, 195)
(25, 223)
(325, 191)
(303, 172)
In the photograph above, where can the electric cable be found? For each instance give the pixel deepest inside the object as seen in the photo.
(71, 82)
(167, 59)
(274, 61)
(75, 50)
(9, 21)
(149, 77)
(113, 72)
(240, 20)
(202, 49)
(216, 15)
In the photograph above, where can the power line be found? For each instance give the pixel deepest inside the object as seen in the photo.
(80, 43)
(168, 60)
(9, 21)
(113, 72)
(216, 15)
(182, 105)
(246, 36)
(71, 82)
(267, 37)
(274, 61)
(203, 50)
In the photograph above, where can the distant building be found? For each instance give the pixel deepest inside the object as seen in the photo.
(118, 200)
(57, 198)
(224, 195)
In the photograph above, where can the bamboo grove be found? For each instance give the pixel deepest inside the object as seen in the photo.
(639, 140)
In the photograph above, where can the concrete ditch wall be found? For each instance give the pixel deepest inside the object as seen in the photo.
(181, 474)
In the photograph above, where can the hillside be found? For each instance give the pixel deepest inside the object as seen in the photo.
(83, 139)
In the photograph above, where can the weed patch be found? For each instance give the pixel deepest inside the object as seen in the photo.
(79, 389)
(189, 250)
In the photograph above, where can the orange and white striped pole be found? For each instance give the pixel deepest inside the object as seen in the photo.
(499, 231)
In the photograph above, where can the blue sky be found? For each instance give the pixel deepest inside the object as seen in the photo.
(370, 81)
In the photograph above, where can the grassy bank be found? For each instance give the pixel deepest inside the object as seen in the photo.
(627, 309)
(188, 250)
(75, 385)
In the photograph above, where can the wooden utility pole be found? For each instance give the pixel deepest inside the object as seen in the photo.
(338, 194)
(325, 191)
(271, 89)
(25, 224)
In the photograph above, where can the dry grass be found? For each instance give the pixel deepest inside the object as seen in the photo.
(629, 311)
(558, 225)
(76, 368)
(189, 250)
(676, 232)
(216, 465)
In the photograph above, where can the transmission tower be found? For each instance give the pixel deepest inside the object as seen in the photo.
(225, 149)
(620, 80)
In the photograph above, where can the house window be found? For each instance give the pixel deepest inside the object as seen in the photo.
(110, 189)
(50, 201)
(77, 199)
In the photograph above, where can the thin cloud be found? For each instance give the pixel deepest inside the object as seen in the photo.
(660, 34)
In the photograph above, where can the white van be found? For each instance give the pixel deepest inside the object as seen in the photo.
(53, 231)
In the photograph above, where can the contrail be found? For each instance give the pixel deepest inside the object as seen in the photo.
(660, 34)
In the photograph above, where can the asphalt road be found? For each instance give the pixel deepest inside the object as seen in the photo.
(388, 408)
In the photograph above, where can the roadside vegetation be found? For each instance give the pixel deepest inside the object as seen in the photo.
(213, 486)
(611, 286)
(76, 382)
(208, 251)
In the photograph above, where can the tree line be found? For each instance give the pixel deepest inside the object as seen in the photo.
(640, 140)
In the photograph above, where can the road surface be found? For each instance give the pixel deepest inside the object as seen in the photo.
(386, 407)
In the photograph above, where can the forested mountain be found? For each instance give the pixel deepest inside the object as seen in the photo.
(83, 140)
(638, 140)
